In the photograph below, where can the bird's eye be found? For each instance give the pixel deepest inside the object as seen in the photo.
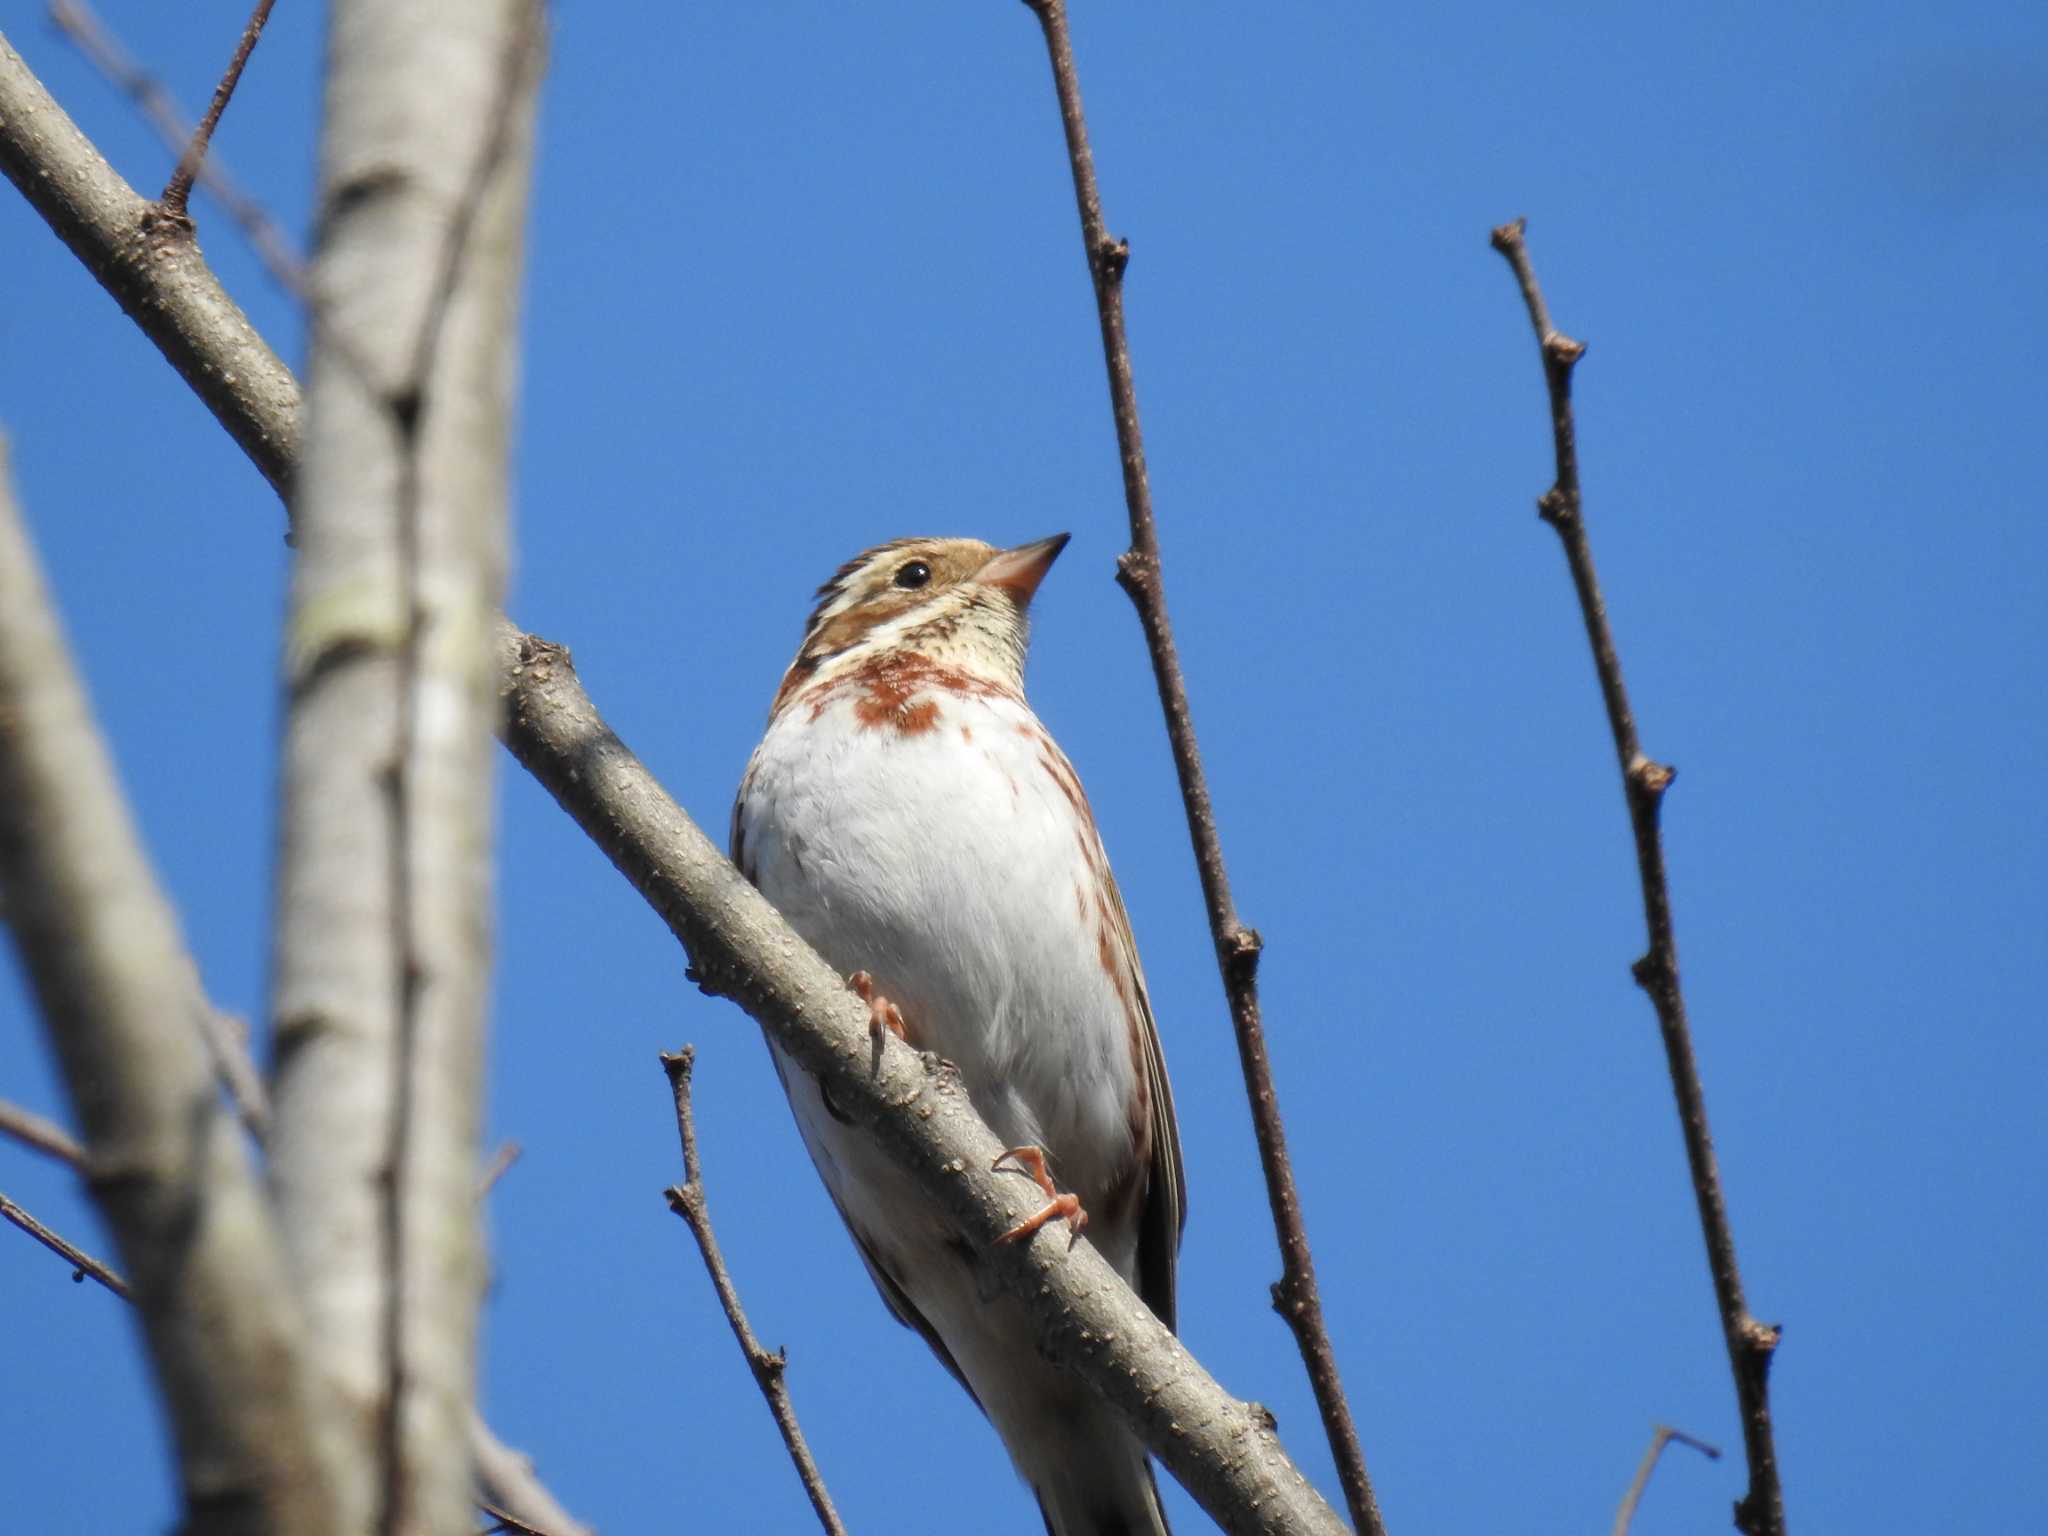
(913, 574)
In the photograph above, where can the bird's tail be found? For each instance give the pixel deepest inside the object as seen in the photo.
(1103, 1486)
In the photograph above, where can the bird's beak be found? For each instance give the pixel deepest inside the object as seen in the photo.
(1019, 571)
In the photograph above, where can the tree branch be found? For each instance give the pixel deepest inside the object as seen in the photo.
(1662, 1436)
(1295, 1296)
(1761, 1511)
(687, 1201)
(164, 1160)
(93, 38)
(508, 1486)
(179, 187)
(45, 1136)
(82, 1263)
(151, 265)
(1222, 1449)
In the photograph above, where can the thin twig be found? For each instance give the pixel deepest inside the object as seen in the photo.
(81, 1262)
(1295, 1296)
(506, 1156)
(103, 50)
(179, 187)
(1661, 1437)
(227, 1037)
(45, 1136)
(687, 1201)
(505, 1523)
(1761, 1511)
(510, 1489)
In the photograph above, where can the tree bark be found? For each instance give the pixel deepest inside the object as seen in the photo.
(382, 946)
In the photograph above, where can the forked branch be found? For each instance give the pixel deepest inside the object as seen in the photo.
(1662, 1436)
(769, 1366)
(1295, 1297)
(1761, 1511)
(179, 188)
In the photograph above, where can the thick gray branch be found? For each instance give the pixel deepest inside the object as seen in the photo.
(164, 1159)
(383, 949)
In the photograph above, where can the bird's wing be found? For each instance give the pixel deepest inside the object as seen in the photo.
(1166, 1211)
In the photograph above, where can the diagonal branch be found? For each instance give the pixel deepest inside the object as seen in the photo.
(82, 1263)
(1295, 1297)
(1222, 1449)
(769, 1367)
(1662, 1436)
(179, 188)
(1761, 1511)
(45, 1136)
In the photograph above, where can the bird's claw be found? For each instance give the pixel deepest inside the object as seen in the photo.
(1030, 1162)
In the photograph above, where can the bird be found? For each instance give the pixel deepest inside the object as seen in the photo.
(915, 822)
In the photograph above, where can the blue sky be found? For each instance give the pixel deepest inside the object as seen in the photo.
(806, 278)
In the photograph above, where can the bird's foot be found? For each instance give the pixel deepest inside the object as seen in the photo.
(1030, 1162)
(882, 1014)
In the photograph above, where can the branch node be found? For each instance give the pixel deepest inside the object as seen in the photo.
(1112, 256)
(1651, 778)
(1561, 350)
(1241, 948)
(1508, 236)
(1556, 508)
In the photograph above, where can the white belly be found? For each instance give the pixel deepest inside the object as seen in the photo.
(950, 863)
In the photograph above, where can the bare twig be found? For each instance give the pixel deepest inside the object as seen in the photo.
(510, 1490)
(506, 1156)
(1661, 1437)
(81, 1262)
(1761, 1511)
(505, 1523)
(227, 1037)
(1295, 1296)
(769, 1367)
(46, 1136)
(179, 187)
(93, 38)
